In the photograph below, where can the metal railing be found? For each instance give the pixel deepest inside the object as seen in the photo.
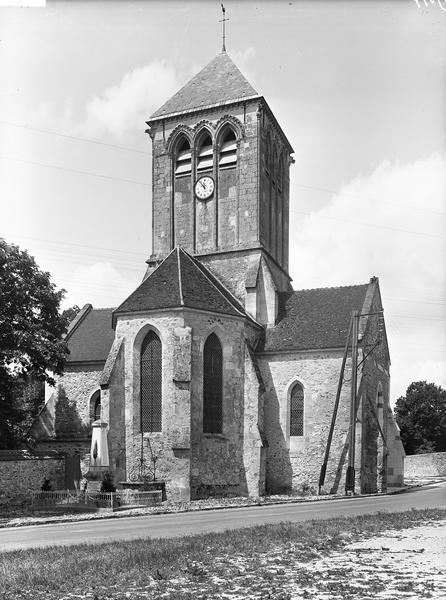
(110, 500)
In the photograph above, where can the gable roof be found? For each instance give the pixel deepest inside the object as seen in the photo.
(90, 335)
(314, 319)
(219, 82)
(181, 280)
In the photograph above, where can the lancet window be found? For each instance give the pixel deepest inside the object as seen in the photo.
(213, 386)
(151, 383)
(297, 410)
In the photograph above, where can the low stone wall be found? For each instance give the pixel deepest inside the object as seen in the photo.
(425, 465)
(20, 472)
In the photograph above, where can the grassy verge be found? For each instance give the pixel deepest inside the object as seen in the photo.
(189, 567)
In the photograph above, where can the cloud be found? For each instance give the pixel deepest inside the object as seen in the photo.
(125, 106)
(372, 227)
(99, 284)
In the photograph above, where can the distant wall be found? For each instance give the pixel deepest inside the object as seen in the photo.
(20, 472)
(425, 465)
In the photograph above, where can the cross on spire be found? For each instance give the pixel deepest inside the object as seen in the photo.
(223, 21)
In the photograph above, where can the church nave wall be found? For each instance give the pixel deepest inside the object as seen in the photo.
(294, 462)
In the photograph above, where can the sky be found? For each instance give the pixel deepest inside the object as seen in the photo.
(358, 87)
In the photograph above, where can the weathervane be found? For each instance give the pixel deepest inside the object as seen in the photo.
(223, 10)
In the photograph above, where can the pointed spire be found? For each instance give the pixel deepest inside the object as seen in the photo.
(219, 82)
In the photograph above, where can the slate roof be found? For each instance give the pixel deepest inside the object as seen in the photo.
(92, 337)
(313, 319)
(220, 82)
(181, 280)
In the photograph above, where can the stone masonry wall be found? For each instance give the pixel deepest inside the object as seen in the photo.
(171, 447)
(425, 465)
(233, 229)
(295, 462)
(226, 463)
(67, 411)
(17, 477)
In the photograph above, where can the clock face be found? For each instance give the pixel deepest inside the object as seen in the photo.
(204, 188)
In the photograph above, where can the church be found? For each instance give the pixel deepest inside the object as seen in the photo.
(214, 375)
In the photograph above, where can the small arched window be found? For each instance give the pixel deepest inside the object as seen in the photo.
(228, 150)
(297, 410)
(213, 386)
(151, 400)
(95, 406)
(205, 154)
(183, 160)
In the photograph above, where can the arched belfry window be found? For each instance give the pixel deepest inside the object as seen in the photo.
(95, 406)
(183, 157)
(228, 150)
(297, 410)
(205, 154)
(151, 401)
(213, 386)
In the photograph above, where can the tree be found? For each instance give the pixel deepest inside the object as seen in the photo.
(31, 344)
(421, 416)
(69, 313)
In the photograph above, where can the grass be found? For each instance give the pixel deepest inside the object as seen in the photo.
(181, 567)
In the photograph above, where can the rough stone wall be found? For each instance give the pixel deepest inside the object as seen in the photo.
(237, 218)
(253, 427)
(425, 465)
(232, 269)
(19, 476)
(295, 462)
(64, 424)
(171, 447)
(226, 463)
(273, 190)
(113, 412)
(396, 460)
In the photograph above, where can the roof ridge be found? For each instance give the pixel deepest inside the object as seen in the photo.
(333, 287)
(236, 305)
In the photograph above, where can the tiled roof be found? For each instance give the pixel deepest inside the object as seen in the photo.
(181, 280)
(219, 82)
(92, 337)
(314, 319)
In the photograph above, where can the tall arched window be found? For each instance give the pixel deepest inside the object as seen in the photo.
(95, 406)
(228, 150)
(213, 386)
(205, 154)
(183, 157)
(297, 410)
(151, 402)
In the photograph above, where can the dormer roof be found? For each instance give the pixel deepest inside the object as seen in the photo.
(219, 82)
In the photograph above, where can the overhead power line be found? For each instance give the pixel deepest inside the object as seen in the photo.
(339, 193)
(319, 216)
(74, 137)
(78, 171)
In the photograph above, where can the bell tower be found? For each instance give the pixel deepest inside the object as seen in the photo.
(221, 178)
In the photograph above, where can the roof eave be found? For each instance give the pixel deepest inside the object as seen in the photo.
(155, 118)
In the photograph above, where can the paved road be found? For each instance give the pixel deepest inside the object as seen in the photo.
(127, 528)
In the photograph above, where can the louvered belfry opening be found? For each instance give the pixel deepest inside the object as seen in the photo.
(151, 400)
(297, 411)
(213, 386)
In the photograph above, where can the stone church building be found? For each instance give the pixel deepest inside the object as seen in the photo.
(214, 371)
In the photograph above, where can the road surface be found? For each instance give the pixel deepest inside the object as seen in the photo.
(172, 525)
